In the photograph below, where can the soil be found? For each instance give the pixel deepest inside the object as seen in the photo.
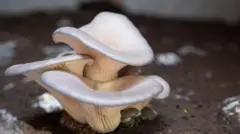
(199, 84)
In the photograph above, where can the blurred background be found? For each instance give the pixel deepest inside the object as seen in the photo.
(188, 9)
(196, 43)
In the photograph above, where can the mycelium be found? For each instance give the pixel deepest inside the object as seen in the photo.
(86, 81)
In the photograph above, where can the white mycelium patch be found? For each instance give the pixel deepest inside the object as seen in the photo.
(47, 102)
(9, 124)
(9, 86)
(231, 107)
(190, 49)
(168, 59)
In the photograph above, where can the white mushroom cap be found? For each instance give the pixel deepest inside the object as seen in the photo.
(33, 66)
(111, 34)
(72, 86)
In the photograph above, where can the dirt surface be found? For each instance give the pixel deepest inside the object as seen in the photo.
(198, 83)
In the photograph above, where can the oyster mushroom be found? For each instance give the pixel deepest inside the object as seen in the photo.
(112, 40)
(86, 81)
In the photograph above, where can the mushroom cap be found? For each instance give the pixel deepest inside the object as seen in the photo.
(32, 66)
(74, 87)
(111, 34)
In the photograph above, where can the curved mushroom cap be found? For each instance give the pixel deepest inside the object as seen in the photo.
(33, 66)
(111, 34)
(73, 86)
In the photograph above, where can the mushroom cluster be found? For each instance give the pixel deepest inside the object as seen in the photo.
(86, 81)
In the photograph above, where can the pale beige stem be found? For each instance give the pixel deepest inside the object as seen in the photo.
(103, 70)
(102, 119)
(107, 119)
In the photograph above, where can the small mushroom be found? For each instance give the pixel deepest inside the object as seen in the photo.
(86, 81)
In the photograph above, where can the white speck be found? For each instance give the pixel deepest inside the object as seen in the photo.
(191, 93)
(179, 97)
(189, 49)
(7, 52)
(8, 86)
(168, 59)
(138, 71)
(237, 109)
(208, 75)
(53, 51)
(26, 80)
(230, 113)
(48, 103)
(2, 112)
(64, 22)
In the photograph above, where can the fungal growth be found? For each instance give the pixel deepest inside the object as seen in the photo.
(86, 81)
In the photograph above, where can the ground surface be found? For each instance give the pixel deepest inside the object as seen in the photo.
(198, 83)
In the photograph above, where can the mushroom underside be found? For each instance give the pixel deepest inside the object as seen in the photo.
(82, 42)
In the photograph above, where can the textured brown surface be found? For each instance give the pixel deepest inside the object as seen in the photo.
(198, 115)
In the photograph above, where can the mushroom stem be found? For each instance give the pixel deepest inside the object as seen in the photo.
(103, 70)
